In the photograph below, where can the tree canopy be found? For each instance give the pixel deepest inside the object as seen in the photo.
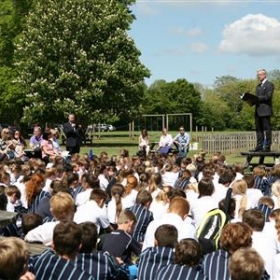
(76, 56)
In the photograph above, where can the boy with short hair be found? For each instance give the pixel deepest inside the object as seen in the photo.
(119, 243)
(246, 264)
(153, 258)
(99, 265)
(62, 207)
(187, 258)
(58, 264)
(92, 211)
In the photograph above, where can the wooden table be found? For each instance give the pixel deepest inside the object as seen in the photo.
(34, 248)
(7, 217)
(261, 155)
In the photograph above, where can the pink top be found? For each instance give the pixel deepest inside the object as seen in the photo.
(47, 148)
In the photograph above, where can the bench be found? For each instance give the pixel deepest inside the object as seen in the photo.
(261, 156)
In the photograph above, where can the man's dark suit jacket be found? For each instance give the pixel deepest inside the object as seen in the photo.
(264, 92)
(73, 135)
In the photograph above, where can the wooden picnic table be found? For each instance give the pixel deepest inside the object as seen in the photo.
(261, 156)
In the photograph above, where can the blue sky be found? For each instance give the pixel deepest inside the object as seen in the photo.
(202, 40)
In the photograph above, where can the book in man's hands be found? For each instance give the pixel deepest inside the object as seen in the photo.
(249, 98)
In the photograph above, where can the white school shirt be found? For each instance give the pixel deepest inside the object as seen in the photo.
(83, 197)
(169, 178)
(201, 206)
(158, 208)
(266, 246)
(42, 233)
(130, 199)
(91, 212)
(184, 230)
(254, 195)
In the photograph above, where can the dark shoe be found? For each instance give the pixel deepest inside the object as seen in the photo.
(266, 149)
(257, 149)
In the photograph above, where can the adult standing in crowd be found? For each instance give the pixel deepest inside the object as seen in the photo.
(73, 134)
(263, 112)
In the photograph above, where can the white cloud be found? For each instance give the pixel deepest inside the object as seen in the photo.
(198, 47)
(254, 35)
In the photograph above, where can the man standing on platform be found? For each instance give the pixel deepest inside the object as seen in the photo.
(74, 135)
(263, 112)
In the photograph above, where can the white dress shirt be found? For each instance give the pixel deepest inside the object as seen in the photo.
(266, 246)
(165, 140)
(91, 212)
(42, 233)
(201, 206)
(185, 230)
(83, 197)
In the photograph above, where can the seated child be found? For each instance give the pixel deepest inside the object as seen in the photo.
(99, 265)
(58, 263)
(142, 214)
(187, 258)
(119, 243)
(13, 259)
(63, 209)
(30, 221)
(153, 258)
(246, 264)
(13, 196)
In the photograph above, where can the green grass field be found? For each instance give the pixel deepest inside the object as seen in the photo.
(113, 142)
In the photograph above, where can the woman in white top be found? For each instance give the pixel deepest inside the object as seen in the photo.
(144, 142)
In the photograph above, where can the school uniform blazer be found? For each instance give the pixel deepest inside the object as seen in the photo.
(264, 92)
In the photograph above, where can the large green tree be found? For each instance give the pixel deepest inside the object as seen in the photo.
(175, 97)
(12, 17)
(76, 56)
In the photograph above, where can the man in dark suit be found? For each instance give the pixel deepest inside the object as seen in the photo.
(263, 112)
(74, 135)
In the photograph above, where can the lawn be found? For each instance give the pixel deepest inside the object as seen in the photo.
(112, 142)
